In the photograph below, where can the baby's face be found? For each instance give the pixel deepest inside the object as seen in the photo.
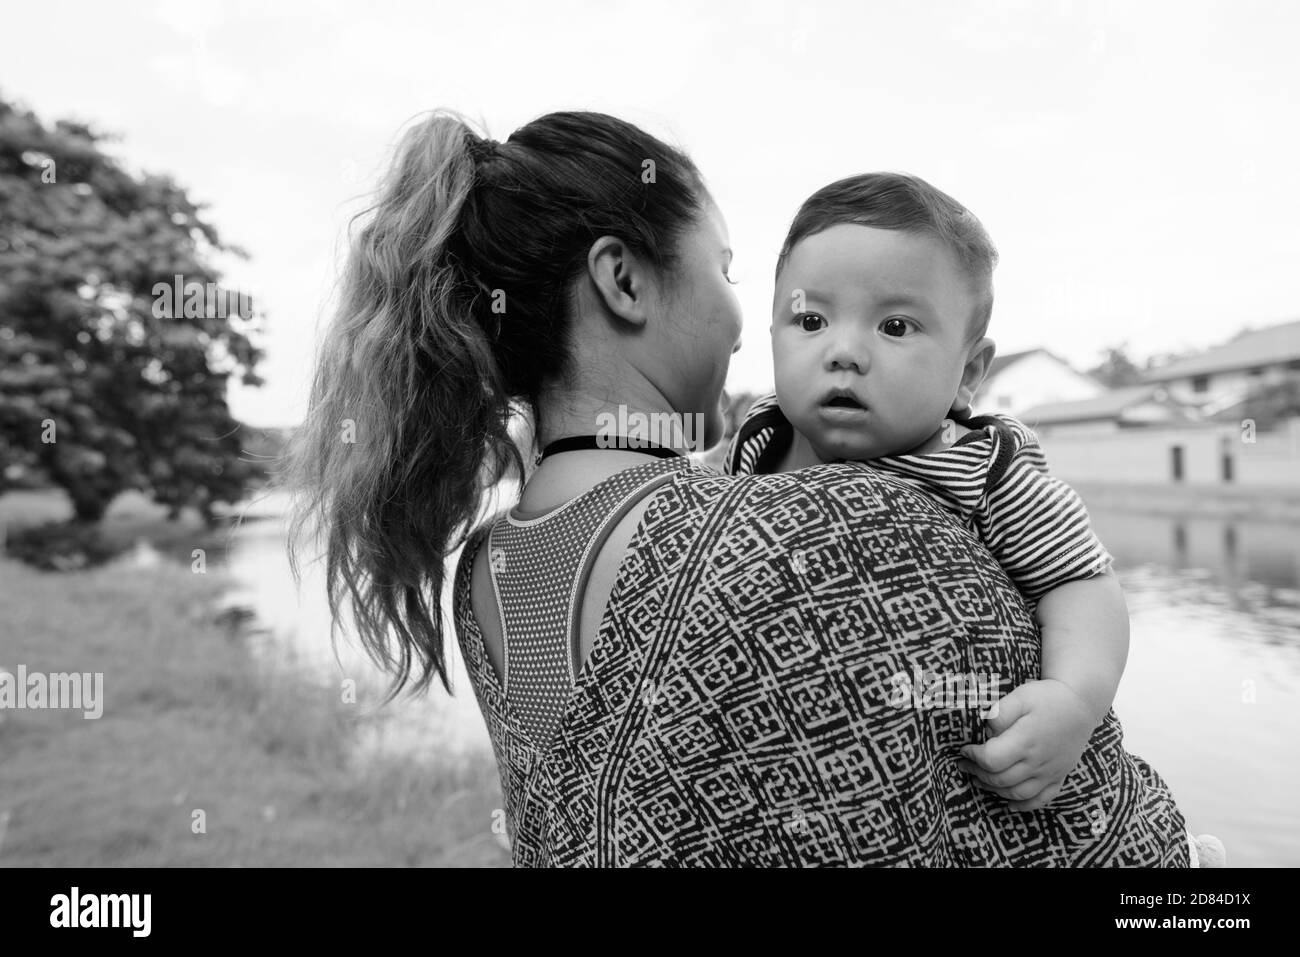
(869, 339)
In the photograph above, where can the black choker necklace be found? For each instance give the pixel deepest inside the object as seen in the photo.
(621, 443)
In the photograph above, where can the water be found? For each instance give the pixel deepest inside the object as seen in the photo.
(1211, 695)
(295, 633)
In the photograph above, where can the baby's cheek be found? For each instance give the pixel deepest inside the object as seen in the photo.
(930, 393)
(788, 394)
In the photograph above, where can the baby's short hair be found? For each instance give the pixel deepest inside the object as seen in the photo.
(902, 201)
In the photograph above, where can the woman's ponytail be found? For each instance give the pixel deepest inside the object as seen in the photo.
(408, 415)
(453, 317)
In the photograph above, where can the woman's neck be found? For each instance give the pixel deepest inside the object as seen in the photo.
(566, 475)
(638, 409)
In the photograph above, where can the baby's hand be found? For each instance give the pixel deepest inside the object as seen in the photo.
(1041, 729)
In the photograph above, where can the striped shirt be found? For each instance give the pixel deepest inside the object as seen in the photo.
(994, 479)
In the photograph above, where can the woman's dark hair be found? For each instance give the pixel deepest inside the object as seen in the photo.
(454, 314)
(901, 201)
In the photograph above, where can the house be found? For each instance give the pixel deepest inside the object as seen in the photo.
(1144, 435)
(1225, 419)
(1023, 380)
(1139, 406)
(1222, 377)
(1204, 455)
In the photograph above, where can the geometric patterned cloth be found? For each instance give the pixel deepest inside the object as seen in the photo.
(994, 480)
(763, 692)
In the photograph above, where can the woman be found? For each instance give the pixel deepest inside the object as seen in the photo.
(675, 667)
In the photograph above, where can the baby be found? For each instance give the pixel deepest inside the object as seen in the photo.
(883, 297)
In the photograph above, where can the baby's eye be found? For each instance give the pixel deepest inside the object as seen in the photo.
(808, 321)
(895, 327)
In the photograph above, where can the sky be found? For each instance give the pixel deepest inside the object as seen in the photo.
(1134, 162)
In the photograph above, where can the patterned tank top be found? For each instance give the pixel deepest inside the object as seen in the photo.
(539, 569)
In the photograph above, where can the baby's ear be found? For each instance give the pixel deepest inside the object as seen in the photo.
(978, 360)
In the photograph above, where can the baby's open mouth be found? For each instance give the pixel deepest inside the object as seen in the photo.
(843, 402)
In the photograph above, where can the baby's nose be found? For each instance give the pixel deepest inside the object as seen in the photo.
(847, 350)
(855, 360)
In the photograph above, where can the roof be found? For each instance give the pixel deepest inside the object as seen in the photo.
(1001, 362)
(1267, 404)
(1250, 348)
(1108, 405)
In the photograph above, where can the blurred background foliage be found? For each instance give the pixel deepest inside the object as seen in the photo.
(136, 401)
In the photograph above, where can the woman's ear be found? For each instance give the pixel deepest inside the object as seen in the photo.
(620, 279)
(977, 365)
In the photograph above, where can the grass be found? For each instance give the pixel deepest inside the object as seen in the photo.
(192, 724)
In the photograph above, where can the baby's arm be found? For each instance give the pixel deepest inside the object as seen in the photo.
(1085, 639)
(1042, 727)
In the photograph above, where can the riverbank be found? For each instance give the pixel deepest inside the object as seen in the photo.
(201, 757)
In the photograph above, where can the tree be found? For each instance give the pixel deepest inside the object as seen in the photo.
(1117, 370)
(108, 379)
